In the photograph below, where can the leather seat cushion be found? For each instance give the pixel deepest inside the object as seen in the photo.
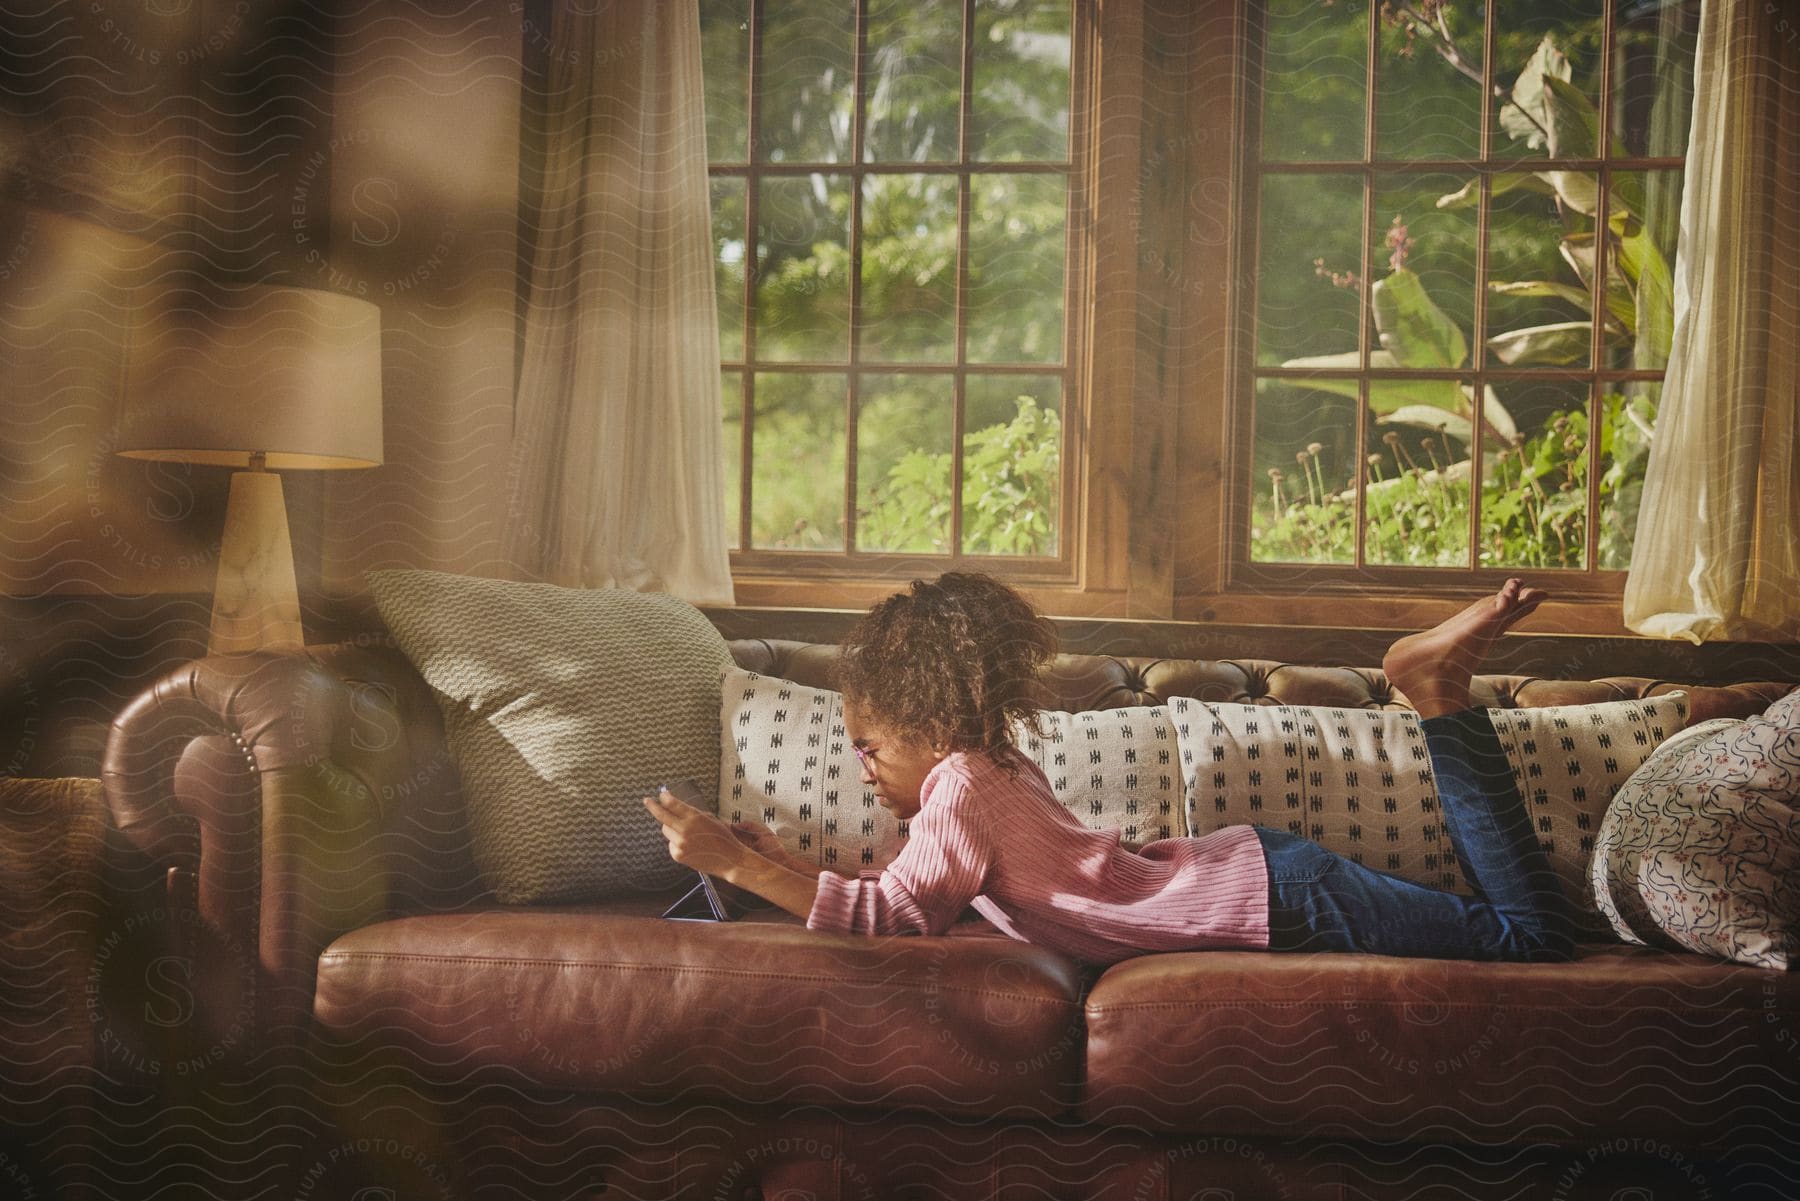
(609, 997)
(1667, 1046)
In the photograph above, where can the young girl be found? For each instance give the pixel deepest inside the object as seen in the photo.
(932, 679)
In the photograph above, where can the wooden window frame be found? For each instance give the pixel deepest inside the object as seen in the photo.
(1590, 582)
(788, 578)
(1158, 446)
(1591, 592)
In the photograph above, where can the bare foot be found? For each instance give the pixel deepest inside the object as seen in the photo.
(1433, 669)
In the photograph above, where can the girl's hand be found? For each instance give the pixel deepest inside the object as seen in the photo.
(696, 839)
(760, 839)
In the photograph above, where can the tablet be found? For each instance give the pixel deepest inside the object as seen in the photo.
(705, 901)
(702, 903)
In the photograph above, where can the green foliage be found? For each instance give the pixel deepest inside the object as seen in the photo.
(1534, 499)
(1012, 477)
(1533, 502)
(1624, 450)
(1012, 481)
(906, 276)
(1534, 495)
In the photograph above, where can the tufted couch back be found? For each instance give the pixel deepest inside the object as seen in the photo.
(1077, 683)
(370, 721)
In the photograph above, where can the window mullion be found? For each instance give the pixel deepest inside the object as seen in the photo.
(752, 274)
(1597, 340)
(1478, 382)
(1359, 512)
(1483, 215)
(852, 380)
(964, 200)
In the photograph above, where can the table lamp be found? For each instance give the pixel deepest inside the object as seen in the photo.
(273, 378)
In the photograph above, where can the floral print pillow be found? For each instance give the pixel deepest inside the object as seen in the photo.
(1700, 849)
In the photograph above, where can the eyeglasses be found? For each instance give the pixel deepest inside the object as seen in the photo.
(865, 755)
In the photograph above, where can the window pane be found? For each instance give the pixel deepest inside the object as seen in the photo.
(1306, 286)
(1422, 303)
(903, 431)
(1630, 413)
(1020, 93)
(1417, 510)
(725, 51)
(1428, 105)
(914, 80)
(1303, 489)
(808, 56)
(1540, 278)
(1653, 77)
(1534, 494)
(728, 264)
(803, 273)
(909, 268)
(1535, 38)
(1016, 232)
(1645, 224)
(731, 447)
(1314, 80)
(797, 482)
(1012, 464)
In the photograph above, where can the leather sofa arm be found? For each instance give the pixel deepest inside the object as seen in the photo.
(254, 783)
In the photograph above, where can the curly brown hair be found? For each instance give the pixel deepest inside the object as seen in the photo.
(949, 663)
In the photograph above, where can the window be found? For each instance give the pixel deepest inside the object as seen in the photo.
(893, 183)
(1455, 201)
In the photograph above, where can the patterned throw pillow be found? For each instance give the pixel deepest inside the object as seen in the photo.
(1701, 850)
(1113, 769)
(1356, 781)
(1359, 781)
(1568, 761)
(1629, 828)
(562, 707)
(785, 760)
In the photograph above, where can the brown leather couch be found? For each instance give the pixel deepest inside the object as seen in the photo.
(306, 808)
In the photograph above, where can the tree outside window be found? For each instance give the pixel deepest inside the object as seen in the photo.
(891, 197)
(1466, 218)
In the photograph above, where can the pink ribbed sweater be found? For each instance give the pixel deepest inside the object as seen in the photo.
(1005, 845)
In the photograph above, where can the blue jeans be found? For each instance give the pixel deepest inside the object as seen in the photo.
(1321, 901)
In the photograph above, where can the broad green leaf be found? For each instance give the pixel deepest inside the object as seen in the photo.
(1580, 190)
(1627, 196)
(1451, 401)
(1621, 278)
(1441, 394)
(1543, 345)
(1580, 297)
(1525, 116)
(1654, 322)
(1349, 360)
(1428, 418)
(1621, 305)
(1469, 194)
(1412, 328)
(1574, 123)
(1578, 251)
(1332, 386)
(1444, 396)
(1496, 415)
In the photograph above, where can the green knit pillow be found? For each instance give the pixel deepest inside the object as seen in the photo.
(563, 706)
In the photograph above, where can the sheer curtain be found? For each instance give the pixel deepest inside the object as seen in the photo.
(1718, 537)
(615, 474)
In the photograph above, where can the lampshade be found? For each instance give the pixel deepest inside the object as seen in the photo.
(293, 373)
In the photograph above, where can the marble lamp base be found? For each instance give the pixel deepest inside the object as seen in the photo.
(256, 601)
